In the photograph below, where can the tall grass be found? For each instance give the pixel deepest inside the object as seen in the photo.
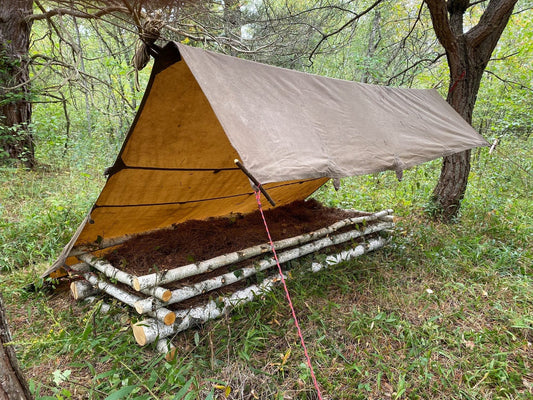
(443, 312)
(39, 211)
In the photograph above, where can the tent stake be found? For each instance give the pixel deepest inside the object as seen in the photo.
(255, 182)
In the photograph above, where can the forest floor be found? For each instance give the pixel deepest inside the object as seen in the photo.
(442, 312)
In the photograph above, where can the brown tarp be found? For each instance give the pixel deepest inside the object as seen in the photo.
(292, 131)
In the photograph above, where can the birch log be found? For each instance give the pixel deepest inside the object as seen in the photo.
(387, 218)
(107, 269)
(80, 268)
(162, 314)
(229, 278)
(370, 245)
(160, 278)
(114, 273)
(165, 346)
(158, 292)
(82, 289)
(149, 330)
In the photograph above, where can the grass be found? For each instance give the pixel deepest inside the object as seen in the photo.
(39, 212)
(443, 312)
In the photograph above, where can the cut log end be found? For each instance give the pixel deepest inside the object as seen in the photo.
(74, 291)
(138, 307)
(136, 284)
(170, 318)
(166, 347)
(82, 289)
(138, 333)
(166, 295)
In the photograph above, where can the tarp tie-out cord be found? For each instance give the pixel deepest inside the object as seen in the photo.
(308, 359)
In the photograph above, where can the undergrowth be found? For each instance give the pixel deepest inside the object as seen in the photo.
(442, 312)
(39, 212)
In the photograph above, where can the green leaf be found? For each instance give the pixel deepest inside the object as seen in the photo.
(190, 396)
(119, 394)
(104, 375)
(183, 390)
(61, 376)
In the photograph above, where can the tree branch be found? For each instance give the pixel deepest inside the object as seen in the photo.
(441, 24)
(496, 14)
(339, 30)
(292, 16)
(506, 81)
(522, 10)
(475, 3)
(428, 60)
(77, 13)
(51, 62)
(417, 20)
(456, 11)
(505, 57)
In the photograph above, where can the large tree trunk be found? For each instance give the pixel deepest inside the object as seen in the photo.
(16, 140)
(466, 71)
(12, 383)
(468, 55)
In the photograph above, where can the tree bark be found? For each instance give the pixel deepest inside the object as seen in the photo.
(16, 18)
(374, 38)
(13, 386)
(16, 139)
(468, 55)
(466, 71)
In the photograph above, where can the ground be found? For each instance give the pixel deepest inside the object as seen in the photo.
(442, 312)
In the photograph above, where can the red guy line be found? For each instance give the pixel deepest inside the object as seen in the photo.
(258, 198)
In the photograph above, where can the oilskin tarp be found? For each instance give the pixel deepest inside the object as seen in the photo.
(291, 130)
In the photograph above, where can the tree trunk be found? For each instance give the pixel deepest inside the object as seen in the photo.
(12, 383)
(466, 71)
(451, 186)
(16, 139)
(468, 55)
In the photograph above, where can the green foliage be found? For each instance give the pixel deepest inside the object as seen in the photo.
(377, 49)
(39, 212)
(87, 101)
(506, 94)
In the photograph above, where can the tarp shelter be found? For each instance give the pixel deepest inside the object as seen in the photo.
(291, 130)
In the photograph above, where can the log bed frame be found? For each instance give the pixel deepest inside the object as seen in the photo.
(150, 298)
